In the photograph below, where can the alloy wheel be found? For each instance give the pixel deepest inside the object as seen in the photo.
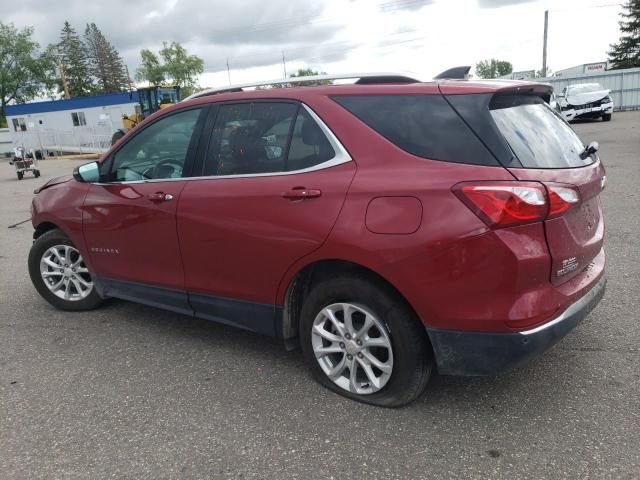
(352, 347)
(64, 273)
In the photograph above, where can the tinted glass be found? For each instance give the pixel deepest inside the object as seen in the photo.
(537, 135)
(250, 138)
(158, 151)
(309, 145)
(424, 125)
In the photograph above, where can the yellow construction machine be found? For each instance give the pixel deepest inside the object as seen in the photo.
(150, 100)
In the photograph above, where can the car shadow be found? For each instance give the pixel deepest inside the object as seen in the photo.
(525, 392)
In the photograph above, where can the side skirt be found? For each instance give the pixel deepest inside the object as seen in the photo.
(255, 317)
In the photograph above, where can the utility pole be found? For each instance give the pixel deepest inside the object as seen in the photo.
(284, 66)
(126, 67)
(65, 85)
(544, 43)
(228, 71)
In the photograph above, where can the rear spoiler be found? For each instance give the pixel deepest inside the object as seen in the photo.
(543, 90)
(455, 73)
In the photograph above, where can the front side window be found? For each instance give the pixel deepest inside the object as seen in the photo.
(265, 137)
(157, 152)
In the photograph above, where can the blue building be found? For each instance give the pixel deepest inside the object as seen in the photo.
(78, 125)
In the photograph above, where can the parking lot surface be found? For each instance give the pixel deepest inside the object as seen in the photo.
(129, 391)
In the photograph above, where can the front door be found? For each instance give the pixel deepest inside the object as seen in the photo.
(129, 218)
(275, 181)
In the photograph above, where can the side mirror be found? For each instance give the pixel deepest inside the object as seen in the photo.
(87, 173)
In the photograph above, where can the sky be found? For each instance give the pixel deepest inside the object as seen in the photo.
(422, 37)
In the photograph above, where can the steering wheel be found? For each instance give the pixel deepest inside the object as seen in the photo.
(164, 169)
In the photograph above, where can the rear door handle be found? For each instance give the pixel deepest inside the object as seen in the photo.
(300, 193)
(160, 197)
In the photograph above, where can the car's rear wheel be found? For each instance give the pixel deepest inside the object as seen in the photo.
(364, 342)
(59, 273)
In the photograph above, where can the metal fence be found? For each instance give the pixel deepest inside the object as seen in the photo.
(78, 140)
(624, 85)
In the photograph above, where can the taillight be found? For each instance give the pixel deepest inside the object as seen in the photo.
(506, 204)
(561, 199)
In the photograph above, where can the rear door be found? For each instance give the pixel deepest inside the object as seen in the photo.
(549, 151)
(274, 180)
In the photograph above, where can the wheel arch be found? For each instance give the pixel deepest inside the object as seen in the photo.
(44, 227)
(315, 272)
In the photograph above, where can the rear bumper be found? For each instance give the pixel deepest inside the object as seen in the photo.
(477, 353)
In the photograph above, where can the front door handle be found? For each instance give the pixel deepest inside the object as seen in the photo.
(300, 193)
(160, 197)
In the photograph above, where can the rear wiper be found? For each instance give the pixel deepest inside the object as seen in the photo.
(589, 150)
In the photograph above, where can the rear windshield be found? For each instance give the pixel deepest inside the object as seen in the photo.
(424, 125)
(537, 135)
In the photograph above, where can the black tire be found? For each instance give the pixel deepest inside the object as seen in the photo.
(38, 249)
(36, 173)
(606, 117)
(20, 175)
(412, 353)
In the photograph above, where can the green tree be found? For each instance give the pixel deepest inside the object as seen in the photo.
(177, 67)
(150, 69)
(493, 68)
(308, 72)
(626, 53)
(105, 63)
(25, 71)
(75, 62)
(302, 72)
(181, 68)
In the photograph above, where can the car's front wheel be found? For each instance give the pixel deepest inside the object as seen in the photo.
(364, 342)
(59, 274)
(606, 117)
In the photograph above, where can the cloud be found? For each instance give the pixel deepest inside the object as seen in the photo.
(500, 3)
(400, 5)
(251, 32)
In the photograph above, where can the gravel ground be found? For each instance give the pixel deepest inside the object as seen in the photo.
(130, 391)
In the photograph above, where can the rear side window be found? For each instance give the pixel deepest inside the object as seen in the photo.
(265, 137)
(309, 145)
(537, 135)
(424, 125)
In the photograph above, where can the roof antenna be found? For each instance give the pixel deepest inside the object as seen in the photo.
(455, 73)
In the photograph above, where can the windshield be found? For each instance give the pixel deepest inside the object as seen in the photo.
(537, 135)
(584, 88)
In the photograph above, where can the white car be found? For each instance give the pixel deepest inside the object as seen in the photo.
(585, 100)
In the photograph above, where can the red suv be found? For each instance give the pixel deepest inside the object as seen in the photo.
(391, 228)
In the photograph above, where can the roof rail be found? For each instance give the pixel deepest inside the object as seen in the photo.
(362, 78)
